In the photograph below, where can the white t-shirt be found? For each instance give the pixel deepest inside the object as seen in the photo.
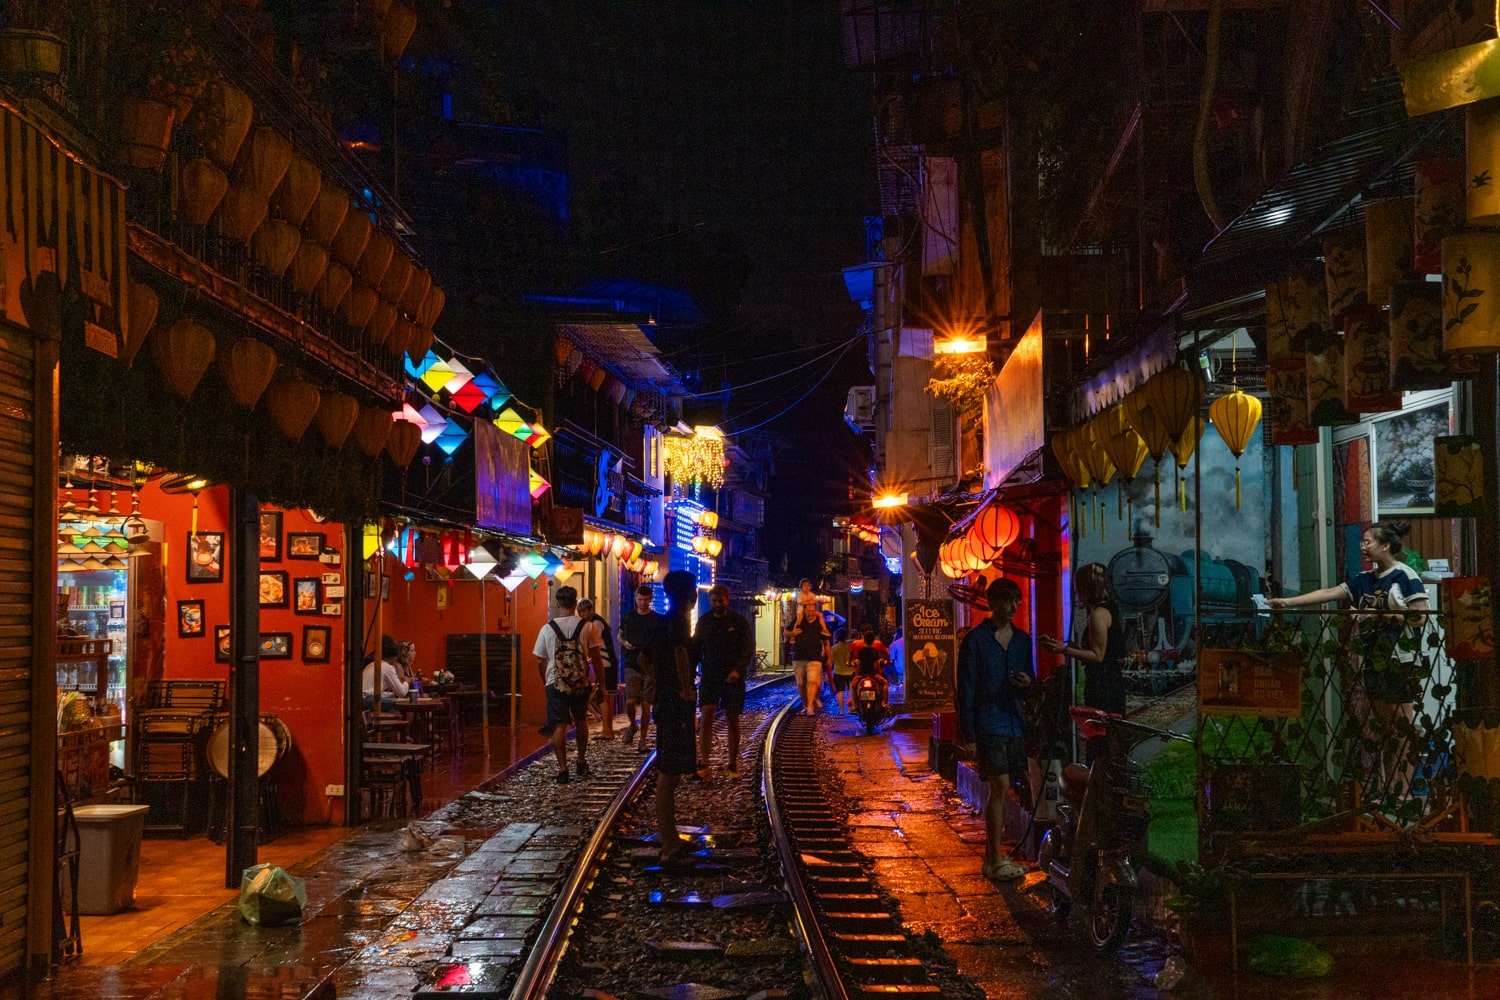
(546, 642)
(390, 680)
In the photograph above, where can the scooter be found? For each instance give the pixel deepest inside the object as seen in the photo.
(1089, 857)
(867, 702)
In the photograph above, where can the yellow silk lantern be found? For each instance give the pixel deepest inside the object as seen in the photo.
(336, 416)
(372, 429)
(1235, 417)
(1101, 467)
(1482, 149)
(1182, 450)
(1175, 394)
(299, 189)
(1471, 292)
(1127, 452)
(1153, 434)
(293, 403)
(182, 352)
(402, 444)
(327, 214)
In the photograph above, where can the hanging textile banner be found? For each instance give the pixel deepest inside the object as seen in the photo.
(502, 480)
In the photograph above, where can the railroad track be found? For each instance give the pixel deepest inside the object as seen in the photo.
(854, 941)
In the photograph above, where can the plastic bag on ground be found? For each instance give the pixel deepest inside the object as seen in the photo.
(269, 897)
(1276, 955)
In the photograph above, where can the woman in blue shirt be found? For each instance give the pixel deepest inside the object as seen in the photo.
(994, 671)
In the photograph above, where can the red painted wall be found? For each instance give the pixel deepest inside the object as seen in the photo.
(412, 614)
(307, 697)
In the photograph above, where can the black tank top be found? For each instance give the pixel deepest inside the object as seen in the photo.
(1104, 683)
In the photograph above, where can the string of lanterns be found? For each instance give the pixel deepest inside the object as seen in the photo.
(989, 533)
(706, 540)
(630, 552)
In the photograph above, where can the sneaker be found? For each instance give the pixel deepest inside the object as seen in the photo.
(562, 777)
(1005, 870)
(583, 768)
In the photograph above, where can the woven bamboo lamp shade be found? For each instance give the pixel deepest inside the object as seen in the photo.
(1183, 447)
(1235, 416)
(247, 366)
(327, 214)
(1286, 387)
(1344, 278)
(201, 186)
(241, 212)
(1417, 336)
(372, 429)
(1388, 246)
(1471, 292)
(403, 442)
(336, 416)
(263, 160)
(143, 307)
(292, 403)
(299, 189)
(1367, 362)
(309, 264)
(1439, 209)
(182, 352)
(1482, 152)
(275, 245)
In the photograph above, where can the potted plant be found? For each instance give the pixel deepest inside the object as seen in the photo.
(1202, 909)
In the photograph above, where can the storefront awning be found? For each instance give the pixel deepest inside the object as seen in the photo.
(625, 351)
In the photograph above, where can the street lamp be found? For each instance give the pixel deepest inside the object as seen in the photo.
(889, 501)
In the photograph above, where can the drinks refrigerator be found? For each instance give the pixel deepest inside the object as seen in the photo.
(96, 592)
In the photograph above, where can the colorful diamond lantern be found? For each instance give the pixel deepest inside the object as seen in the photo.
(437, 376)
(539, 436)
(452, 436)
(461, 376)
(538, 486)
(468, 397)
(485, 383)
(501, 397)
(533, 564)
(511, 423)
(433, 423)
(554, 562)
(419, 368)
(410, 415)
(513, 581)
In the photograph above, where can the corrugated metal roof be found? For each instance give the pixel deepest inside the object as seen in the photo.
(627, 352)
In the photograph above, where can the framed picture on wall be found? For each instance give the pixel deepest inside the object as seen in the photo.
(276, 645)
(190, 620)
(205, 559)
(304, 545)
(273, 586)
(385, 588)
(1405, 474)
(221, 644)
(315, 642)
(369, 586)
(305, 595)
(333, 610)
(270, 536)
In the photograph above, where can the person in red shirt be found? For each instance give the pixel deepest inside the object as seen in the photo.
(868, 654)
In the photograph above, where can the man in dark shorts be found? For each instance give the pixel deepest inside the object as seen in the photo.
(994, 673)
(669, 658)
(637, 630)
(603, 700)
(558, 645)
(723, 647)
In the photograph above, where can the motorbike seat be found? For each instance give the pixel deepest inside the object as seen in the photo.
(1075, 778)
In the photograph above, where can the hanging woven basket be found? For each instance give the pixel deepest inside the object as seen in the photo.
(292, 403)
(143, 308)
(299, 189)
(336, 416)
(372, 428)
(276, 243)
(201, 186)
(247, 366)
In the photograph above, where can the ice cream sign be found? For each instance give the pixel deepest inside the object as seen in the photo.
(930, 655)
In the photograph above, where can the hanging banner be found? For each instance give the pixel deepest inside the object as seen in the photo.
(1250, 682)
(931, 660)
(502, 480)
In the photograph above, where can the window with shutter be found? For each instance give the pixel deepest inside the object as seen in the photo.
(942, 438)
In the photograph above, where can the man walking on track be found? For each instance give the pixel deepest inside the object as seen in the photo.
(809, 651)
(668, 657)
(637, 630)
(567, 656)
(603, 695)
(724, 646)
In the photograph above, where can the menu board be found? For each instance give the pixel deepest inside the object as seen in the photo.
(931, 663)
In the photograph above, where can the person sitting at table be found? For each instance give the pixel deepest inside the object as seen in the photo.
(405, 662)
(392, 685)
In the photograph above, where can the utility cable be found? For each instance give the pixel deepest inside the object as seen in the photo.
(800, 399)
(781, 374)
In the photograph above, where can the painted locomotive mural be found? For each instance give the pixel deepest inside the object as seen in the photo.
(1153, 576)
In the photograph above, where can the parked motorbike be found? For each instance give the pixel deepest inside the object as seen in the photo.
(1090, 855)
(868, 705)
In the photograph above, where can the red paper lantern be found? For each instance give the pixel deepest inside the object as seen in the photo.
(994, 529)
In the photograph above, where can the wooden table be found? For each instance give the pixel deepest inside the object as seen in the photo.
(410, 755)
(420, 713)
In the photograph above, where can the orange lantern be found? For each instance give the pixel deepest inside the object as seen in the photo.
(396, 29)
(200, 187)
(620, 546)
(263, 160)
(349, 243)
(143, 308)
(397, 275)
(403, 442)
(241, 212)
(382, 322)
(376, 258)
(372, 429)
(359, 305)
(336, 416)
(292, 404)
(994, 529)
(335, 285)
(247, 366)
(276, 243)
(328, 212)
(432, 307)
(309, 264)
(222, 120)
(298, 191)
(182, 353)
(416, 291)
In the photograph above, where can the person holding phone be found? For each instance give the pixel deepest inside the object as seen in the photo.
(1101, 649)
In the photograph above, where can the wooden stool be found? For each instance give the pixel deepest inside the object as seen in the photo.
(383, 780)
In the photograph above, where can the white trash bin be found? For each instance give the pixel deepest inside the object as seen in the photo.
(109, 856)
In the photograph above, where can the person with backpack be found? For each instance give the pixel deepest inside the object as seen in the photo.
(568, 657)
(603, 699)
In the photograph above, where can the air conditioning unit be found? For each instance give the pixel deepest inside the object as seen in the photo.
(859, 408)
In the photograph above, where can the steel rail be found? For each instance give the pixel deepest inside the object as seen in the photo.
(820, 956)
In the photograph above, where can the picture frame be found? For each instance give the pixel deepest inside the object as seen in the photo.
(316, 643)
(270, 536)
(205, 557)
(334, 593)
(369, 586)
(333, 610)
(304, 544)
(332, 579)
(1404, 468)
(385, 588)
(305, 594)
(190, 620)
(223, 650)
(273, 589)
(276, 645)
